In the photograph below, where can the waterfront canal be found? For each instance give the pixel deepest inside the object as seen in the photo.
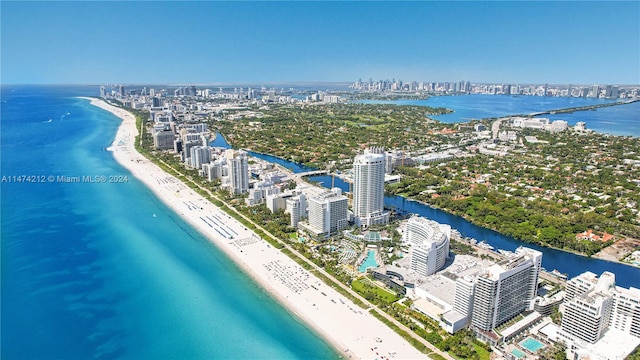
(565, 262)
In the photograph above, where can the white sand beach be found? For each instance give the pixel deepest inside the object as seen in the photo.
(350, 329)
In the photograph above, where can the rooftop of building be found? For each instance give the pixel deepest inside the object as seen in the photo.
(615, 344)
(441, 287)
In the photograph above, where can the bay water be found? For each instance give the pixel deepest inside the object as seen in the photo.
(621, 120)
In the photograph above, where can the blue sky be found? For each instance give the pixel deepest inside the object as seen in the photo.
(211, 42)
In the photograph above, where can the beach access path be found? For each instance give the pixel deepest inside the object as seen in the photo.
(353, 331)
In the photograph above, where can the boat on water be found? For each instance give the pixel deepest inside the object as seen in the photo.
(505, 252)
(558, 274)
(483, 244)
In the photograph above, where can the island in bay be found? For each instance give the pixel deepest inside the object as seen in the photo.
(295, 182)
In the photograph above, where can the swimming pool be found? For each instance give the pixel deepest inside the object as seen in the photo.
(532, 345)
(369, 262)
(517, 353)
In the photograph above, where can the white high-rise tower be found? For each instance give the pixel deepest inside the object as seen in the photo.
(506, 289)
(368, 188)
(238, 171)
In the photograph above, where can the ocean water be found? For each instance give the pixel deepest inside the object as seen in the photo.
(616, 120)
(88, 271)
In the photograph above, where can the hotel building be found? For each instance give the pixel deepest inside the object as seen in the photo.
(594, 304)
(429, 242)
(328, 212)
(505, 289)
(599, 318)
(238, 179)
(368, 188)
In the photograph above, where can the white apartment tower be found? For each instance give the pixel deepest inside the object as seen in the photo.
(200, 155)
(463, 296)
(626, 311)
(506, 289)
(593, 305)
(328, 212)
(368, 187)
(429, 242)
(238, 171)
(297, 208)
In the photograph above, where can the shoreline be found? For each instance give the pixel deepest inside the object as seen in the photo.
(350, 330)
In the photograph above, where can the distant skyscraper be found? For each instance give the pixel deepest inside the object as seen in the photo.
(615, 92)
(506, 289)
(595, 91)
(238, 171)
(368, 187)
(103, 91)
(121, 91)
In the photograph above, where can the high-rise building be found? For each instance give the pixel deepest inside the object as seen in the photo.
(103, 91)
(328, 212)
(586, 315)
(238, 165)
(297, 209)
(506, 289)
(592, 305)
(580, 284)
(429, 242)
(163, 140)
(626, 311)
(200, 155)
(368, 187)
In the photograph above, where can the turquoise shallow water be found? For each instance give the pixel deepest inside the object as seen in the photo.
(369, 262)
(532, 345)
(89, 272)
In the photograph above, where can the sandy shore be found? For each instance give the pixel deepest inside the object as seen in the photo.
(351, 330)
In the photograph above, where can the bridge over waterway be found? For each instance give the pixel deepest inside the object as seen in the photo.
(312, 173)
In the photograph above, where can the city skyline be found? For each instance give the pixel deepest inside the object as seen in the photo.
(213, 42)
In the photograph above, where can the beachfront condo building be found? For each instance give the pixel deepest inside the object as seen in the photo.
(328, 212)
(297, 208)
(594, 304)
(429, 243)
(163, 140)
(368, 188)
(238, 165)
(505, 289)
(200, 155)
